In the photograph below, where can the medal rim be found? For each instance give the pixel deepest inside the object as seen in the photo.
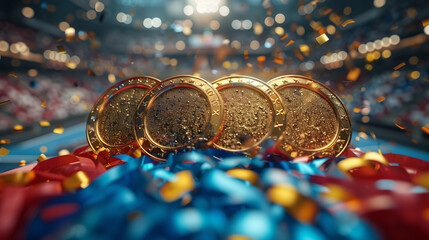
(99, 143)
(204, 88)
(277, 126)
(344, 125)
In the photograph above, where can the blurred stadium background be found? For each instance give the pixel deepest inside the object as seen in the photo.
(58, 57)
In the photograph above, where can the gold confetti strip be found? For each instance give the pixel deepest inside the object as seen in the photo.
(393, 28)
(18, 128)
(12, 74)
(22, 163)
(289, 43)
(356, 110)
(173, 190)
(246, 54)
(425, 22)
(60, 39)
(399, 66)
(261, 58)
(425, 129)
(244, 174)
(279, 60)
(400, 126)
(44, 123)
(381, 99)
(58, 130)
(42, 158)
(76, 181)
(373, 135)
(353, 74)
(347, 22)
(326, 12)
(373, 156)
(4, 141)
(4, 151)
(5, 103)
(61, 49)
(322, 39)
(43, 104)
(314, 2)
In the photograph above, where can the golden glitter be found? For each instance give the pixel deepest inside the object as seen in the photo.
(317, 122)
(253, 110)
(347, 22)
(180, 112)
(110, 123)
(399, 66)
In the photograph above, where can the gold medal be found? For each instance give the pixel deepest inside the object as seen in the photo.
(318, 123)
(110, 122)
(176, 114)
(254, 111)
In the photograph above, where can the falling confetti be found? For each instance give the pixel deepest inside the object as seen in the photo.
(314, 2)
(279, 60)
(284, 36)
(347, 22)
(12, 74)
(322, 39)
(400, 126)
(43, 104)
(289, 43)
(399, 66)
(425, 129)
(60, 39)
(61, 49)
(91, 73)
(381, 99)
(44, 123)
(4, 141)
(5, 103)
(356, 110)
(353, 74)
(246, 54)
(425, 22)
(22, 163)
(42, 158)
(4, 151)
(261, 59)
(18, 128)
(58, 130)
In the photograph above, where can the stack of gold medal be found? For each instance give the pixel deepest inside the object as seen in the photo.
(235, 113)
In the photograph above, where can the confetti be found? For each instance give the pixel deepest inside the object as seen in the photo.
(91, 73)
(326, 12)
(322, 39)
(314, 2)
(399, 66)
(58, 130)
(44, 123)
(356, 110)
(60, 39)
(284, 36)
(261, 59)
(279, 60)
(347, 22)
(4, 151)
(61, 49)
(76, 181)
(425, 129)
(5, 102)
(42, 158)
(246, 54)
(289, 43)
(22, 163)
(18, 128)
(393, 28)
(43, 104)
(400, 126)
(353, 74)
(373, 135)
(12, 74)
(425, 22)
(4, 141)
(381, 99)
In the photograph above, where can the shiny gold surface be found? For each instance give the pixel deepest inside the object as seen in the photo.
(110, 123)
(253, 113)
(318, 123)
(178, 113)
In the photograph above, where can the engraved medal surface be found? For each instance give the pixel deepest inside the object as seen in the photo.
(178, 113)
(318, 123)
(110, 123)
(253, 112)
